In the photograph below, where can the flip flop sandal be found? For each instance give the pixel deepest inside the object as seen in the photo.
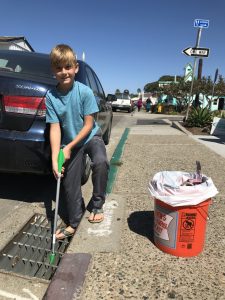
(96, 211)
(66, 234)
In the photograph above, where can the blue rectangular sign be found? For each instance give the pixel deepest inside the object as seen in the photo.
(201, 23)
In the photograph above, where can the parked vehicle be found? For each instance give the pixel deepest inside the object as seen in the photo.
(123, 102)
(25, 78)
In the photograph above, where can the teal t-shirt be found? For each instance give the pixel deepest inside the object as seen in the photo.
(69, 110)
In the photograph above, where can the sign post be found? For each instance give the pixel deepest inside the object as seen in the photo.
(200, 23)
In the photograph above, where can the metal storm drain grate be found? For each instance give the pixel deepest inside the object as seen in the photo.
(151, 122)
(28, 252)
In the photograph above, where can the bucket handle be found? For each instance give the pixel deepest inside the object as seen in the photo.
(204, 215)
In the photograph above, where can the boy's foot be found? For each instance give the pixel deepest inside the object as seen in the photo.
(64, 233)
(96, 216)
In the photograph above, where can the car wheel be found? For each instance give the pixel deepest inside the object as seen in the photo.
(86, 169)
(107, 134)
(129, 110)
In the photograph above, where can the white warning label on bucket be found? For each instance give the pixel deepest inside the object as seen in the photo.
(162, 222)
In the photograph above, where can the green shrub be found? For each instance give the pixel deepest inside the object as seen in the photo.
(200, 117)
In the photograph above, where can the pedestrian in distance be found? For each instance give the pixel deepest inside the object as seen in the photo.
(70, 111)
(148, 105)
(139, 104)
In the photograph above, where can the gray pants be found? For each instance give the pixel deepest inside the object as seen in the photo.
(72, 207)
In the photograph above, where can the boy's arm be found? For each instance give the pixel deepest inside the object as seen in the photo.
(88, 125)
(55, 139)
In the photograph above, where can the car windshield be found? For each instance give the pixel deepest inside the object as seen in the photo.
(25, 63)
(122, 96)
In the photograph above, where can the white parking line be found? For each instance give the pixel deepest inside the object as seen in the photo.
(105, 227)
(16, 297)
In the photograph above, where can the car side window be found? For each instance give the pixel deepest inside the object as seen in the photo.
(93, 84)
(100, 89)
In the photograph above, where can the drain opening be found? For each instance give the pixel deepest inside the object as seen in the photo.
(151, 122)
(28, 252)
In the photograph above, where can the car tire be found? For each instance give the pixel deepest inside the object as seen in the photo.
(107, 134)
(86, 169)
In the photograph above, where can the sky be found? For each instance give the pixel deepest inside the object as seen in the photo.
(128, 43)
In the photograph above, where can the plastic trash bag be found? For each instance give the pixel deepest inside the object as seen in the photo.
(170, 187)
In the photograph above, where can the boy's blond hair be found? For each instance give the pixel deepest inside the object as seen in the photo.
(62, 54)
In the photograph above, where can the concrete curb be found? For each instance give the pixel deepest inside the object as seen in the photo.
(178, 126)
(69, 277)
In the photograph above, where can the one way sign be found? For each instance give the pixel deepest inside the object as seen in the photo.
(198, 52)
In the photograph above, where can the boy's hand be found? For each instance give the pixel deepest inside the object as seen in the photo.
(67, 152)
(55, 170)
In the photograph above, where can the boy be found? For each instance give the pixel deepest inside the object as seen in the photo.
(70, 108)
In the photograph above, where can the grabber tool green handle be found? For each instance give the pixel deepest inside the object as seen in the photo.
(61, 160)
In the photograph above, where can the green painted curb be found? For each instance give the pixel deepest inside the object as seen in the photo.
(115, 161)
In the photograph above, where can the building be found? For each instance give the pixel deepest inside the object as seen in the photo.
(15, 43)
(188, 72)
(167, 83)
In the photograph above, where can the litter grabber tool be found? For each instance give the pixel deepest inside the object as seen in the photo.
(198, 178)
(61, 160)
(198, 174)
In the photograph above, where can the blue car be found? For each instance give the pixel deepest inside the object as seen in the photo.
(25, 78)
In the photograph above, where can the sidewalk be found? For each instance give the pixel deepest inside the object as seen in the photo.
(215, 143)
(122, 260)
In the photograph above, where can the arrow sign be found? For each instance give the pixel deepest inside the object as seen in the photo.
(198, 52)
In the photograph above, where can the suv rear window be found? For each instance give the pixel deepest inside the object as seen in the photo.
(122, 96)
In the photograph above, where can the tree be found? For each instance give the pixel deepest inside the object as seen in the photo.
(151, 87)
(179, 90)
(133, 95)
(117, 91)
(204, 86)
(220, 87)
(169, 78)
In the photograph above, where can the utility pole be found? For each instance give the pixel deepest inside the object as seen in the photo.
(193, 74)
(214, 82)
(200, 62)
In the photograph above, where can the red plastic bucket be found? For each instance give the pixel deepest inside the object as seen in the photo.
(180, 231)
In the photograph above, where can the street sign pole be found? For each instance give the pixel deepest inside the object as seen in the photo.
(193, 73)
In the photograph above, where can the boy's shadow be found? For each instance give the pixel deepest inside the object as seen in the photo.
(142, 222)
